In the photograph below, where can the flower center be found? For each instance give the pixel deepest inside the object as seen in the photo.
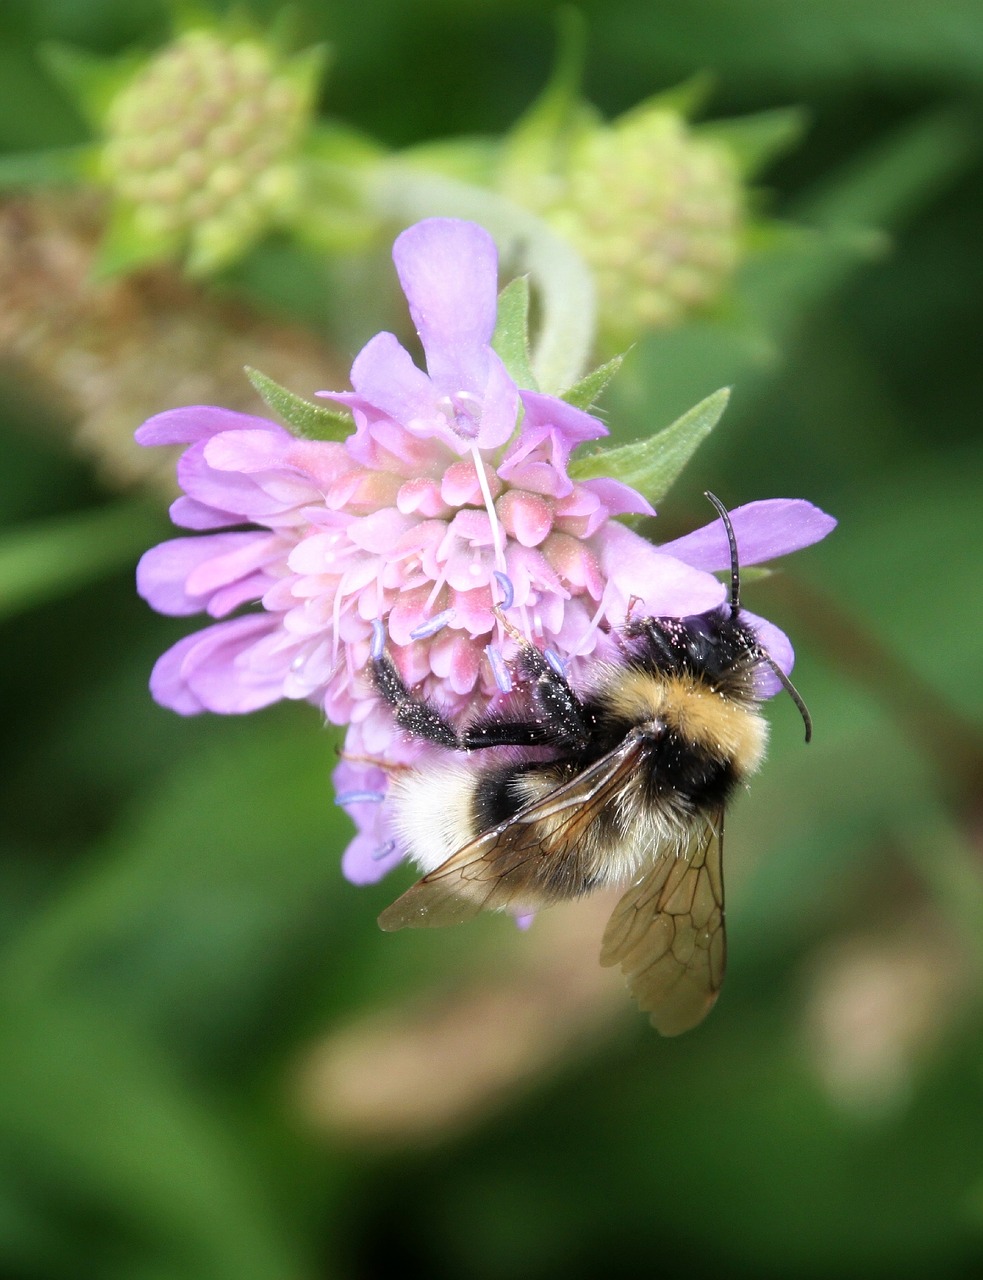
(463, 412)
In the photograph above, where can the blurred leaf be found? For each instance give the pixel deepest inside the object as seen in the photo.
(511, 336)
(779, 289)
(884, 188)
(652, 466)
(219, 885)
(42, 561)
(533, 145)
(127, 1171)
(311, 421)
(19, 169)
(684, 99)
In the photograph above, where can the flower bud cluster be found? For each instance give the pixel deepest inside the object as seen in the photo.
(657, 212)
(200, 144)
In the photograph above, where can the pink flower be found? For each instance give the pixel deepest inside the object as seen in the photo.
(452, 496)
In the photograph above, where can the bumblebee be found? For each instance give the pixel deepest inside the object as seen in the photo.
(628, 786)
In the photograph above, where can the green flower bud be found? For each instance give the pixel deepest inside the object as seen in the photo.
(656, 211)
(201, 146)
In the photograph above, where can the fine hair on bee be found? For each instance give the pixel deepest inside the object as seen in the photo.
(627, 786)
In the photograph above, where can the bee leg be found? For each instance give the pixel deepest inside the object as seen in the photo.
(559, 718)
(415, 715)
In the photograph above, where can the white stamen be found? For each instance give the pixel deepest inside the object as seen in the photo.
(496, 528)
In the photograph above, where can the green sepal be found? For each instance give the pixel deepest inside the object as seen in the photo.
(511, 336)
(756, 140)
(308, 420)
(91, 82)
(585, 393)
(684, 99)
(652, 466)
(127, 246)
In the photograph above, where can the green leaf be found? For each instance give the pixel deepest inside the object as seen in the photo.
(756, 140)
(45, 560)
(652, 466)
(584, 393)
(311, 421)
(511, 336)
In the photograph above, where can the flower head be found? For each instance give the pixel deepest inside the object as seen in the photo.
(450, 504)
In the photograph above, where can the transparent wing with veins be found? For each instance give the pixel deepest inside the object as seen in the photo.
(538, 856)
(667, 932)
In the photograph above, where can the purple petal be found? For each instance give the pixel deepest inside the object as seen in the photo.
(205, 671)
(448, 270)
(765, 530)
(666, 587)
(186, 513)
(195, 422)
(778, 647)
(385, 377)
(167, 684)
(618, 499)
(499, 405)
(248, 451)
(166, 573)
(229, 490)
(575, 426)
(367, 860)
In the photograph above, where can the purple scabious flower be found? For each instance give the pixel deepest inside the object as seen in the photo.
(450, 500)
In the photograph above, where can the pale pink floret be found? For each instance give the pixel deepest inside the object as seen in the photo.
(436, 509)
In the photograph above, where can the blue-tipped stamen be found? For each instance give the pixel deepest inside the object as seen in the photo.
(508, 591)
(556, 662)
(378, 645)
(383, 851)
(436, 623)
(499, 670)
(359, 797)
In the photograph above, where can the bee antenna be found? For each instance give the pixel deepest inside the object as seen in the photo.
(790, 689)
(735, 568)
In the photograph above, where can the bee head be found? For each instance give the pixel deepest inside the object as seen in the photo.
(733, 610)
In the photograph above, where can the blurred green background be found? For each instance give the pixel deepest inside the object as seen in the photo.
(212, 1063)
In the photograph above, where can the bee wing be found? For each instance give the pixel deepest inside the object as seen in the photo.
(504, 867)
(667, 932)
